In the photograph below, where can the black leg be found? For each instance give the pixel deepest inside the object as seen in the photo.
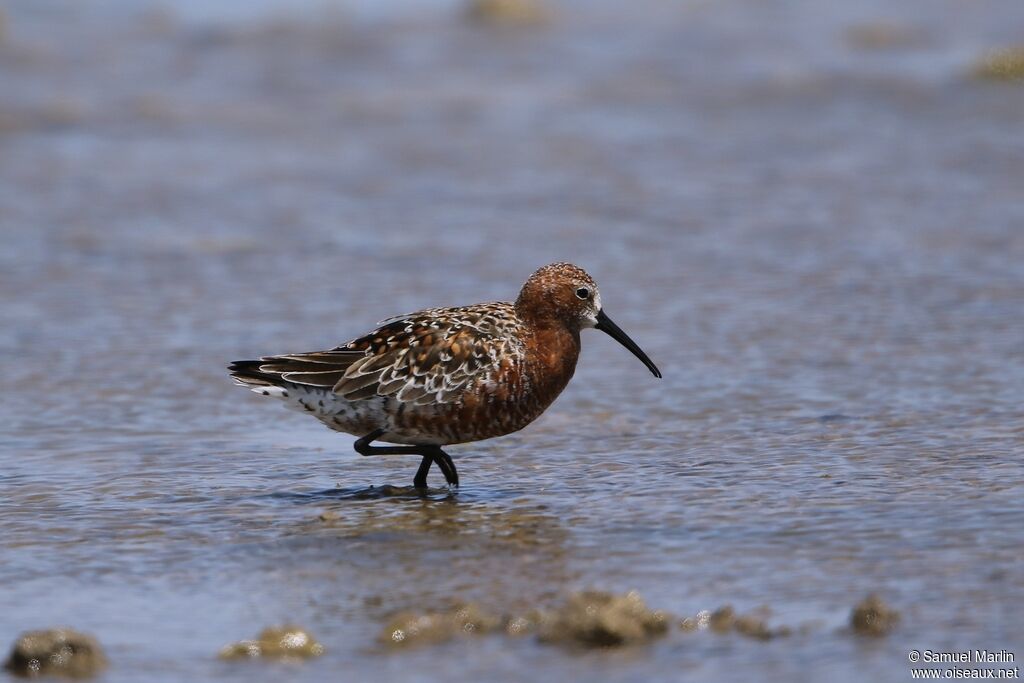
(420, 480)
(363, 446)
(431, 454)
(444, 461)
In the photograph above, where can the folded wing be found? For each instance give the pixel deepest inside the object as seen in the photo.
(431, 356)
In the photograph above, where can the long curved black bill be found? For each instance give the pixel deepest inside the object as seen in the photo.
(605, 324)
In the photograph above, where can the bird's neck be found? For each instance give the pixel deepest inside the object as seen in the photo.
(556, 348)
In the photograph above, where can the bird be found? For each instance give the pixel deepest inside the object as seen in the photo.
(443, 376)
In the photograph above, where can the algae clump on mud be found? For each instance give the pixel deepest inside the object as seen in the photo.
(56, 652)
(726, 620)
(408, 628)
(872, 617)
(276, 642)
(599, 619)
(508, 12)
(1006, 64)
(587, 619)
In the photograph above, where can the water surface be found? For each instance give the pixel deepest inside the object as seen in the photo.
(818, 241)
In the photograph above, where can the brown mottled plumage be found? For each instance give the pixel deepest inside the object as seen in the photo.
(445, 375)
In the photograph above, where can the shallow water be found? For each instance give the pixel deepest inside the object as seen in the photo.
(818, 241)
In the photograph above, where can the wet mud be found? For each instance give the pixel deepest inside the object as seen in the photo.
(1002, 64)
(408, 629)
(275, 642)
(725, 620)
(60, 652)
(873, 617)
(599, 619)
(587, 619)
(509, 13)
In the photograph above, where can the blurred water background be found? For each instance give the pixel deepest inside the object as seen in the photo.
(808, 213)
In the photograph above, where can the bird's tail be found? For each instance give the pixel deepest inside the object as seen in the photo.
(247, 373)
(274, 375)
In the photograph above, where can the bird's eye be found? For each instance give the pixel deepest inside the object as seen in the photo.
(583, 293)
